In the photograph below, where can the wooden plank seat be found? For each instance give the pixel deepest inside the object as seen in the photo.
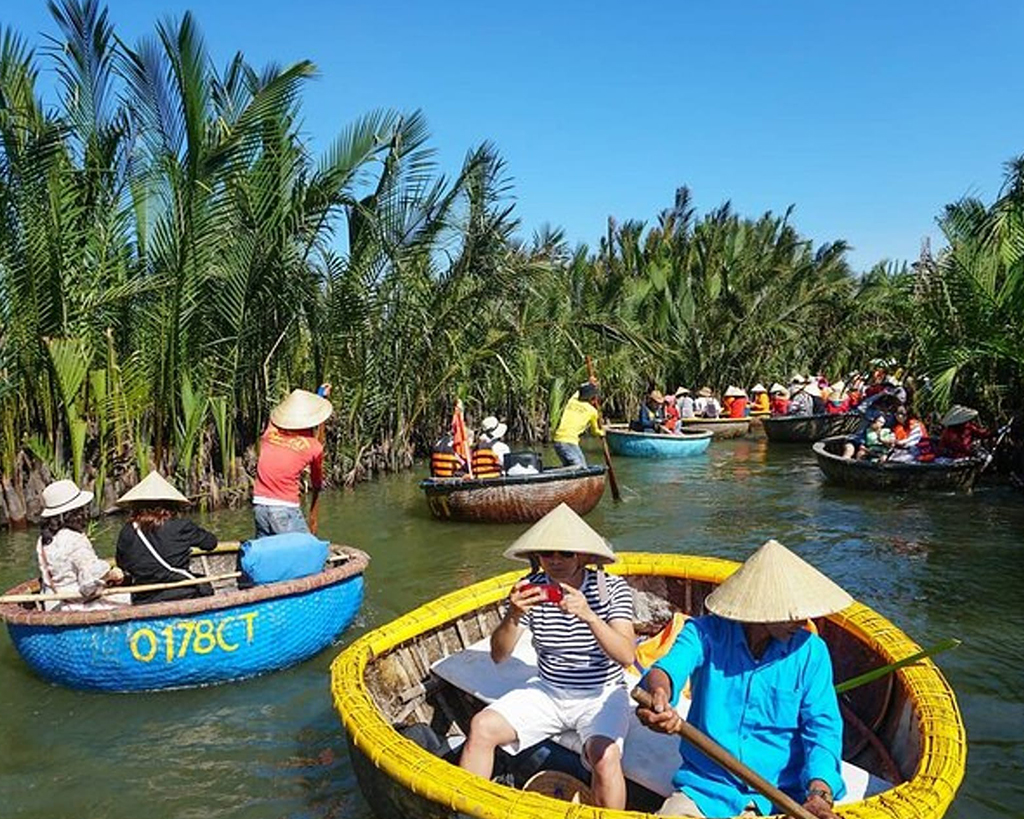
(650, 759)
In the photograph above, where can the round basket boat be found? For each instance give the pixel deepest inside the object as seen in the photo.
(805, 429)
(393, 682)
(959, 475)
(719, 427)
(514, 498)
(230, 635)
(624, 441)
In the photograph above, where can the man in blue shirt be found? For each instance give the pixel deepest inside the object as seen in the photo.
(762, 689)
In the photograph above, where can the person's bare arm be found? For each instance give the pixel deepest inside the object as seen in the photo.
(506, 635)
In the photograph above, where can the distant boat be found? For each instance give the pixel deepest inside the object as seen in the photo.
(719, 427)
(514, 498)
(415, 683)
(623, 441)
(810, 428)
(230, 635)
(959, 475)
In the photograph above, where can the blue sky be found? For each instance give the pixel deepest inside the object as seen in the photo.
(868, 116)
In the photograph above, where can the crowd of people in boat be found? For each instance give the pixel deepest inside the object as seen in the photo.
(156, 543)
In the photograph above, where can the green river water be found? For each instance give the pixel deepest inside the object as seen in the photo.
(937, 565)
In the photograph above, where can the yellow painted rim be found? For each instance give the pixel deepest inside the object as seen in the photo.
(926, 795)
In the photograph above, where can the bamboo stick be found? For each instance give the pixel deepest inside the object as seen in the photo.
(177, 584)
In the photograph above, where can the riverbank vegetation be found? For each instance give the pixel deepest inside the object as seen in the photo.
(174, 259)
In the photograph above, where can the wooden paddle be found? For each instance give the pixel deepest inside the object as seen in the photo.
(42, 598)
(716, 752)
(616, 495)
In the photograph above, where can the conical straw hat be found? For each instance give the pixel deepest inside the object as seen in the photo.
(776, 586)
(154, 488)
(301, 410)
(812, 389)
(777, 388)
(759, 387)
(734, 392)
(958, 414)
(561, 530)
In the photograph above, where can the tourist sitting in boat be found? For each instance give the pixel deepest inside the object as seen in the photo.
(706, 405)
(779, 399)
(960, 434)
(579, 414)
(67, 561)
(760, 404)
(289, 446)
(155, 545)
(838, 402)
(911, 439)
(671, 414)
(488, 458)
(801, 402)
(878, 440)
(737, 406)
(761, 686)
(684, 402)
(445, 462)
(652, 414)
(581, 621)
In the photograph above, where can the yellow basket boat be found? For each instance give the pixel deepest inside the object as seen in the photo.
(905, 728)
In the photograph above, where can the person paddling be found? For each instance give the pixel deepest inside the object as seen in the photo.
(289, 446)
(580, 414)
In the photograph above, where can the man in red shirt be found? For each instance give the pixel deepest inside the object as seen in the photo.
(288, 446)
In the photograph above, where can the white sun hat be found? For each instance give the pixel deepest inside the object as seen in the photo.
(812, 389)
(154, 488)
(561, 530)
(734, 392)
(759, 387)
(776, 388)
(493, 428)
(958, 414)
(301, 410)
(63, 496)
(775, 586)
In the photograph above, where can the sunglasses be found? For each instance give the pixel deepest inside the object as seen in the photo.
(559, 554)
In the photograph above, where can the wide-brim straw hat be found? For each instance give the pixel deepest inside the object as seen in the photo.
(777, 388)
(301, 410)
(704, 392)
(775, 586)
(682, 391)
(812, 389)
(154, 489)
(63, 496)
(759, 387)
(656, 396)
(493, 428)
(561, 530)
(560, 785)
(958, 414)
(734, 392)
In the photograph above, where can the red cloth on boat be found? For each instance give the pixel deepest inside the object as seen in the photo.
(780, 406)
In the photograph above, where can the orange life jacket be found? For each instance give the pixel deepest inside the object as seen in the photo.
(444, 463)
(485, 462)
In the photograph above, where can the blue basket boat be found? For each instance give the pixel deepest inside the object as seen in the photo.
(623, 441)
(202, 641)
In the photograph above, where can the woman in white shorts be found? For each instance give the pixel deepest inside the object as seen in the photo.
(582, 640)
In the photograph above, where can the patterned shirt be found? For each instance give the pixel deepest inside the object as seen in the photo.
(568, 653)
(283, 455)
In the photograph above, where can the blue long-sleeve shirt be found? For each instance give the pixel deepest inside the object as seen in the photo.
(778, 714)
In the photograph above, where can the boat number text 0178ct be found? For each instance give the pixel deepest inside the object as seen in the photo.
(197, 636)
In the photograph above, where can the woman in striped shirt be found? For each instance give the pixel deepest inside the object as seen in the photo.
(581, 622)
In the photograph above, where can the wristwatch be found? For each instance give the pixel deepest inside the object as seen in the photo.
(824, 794)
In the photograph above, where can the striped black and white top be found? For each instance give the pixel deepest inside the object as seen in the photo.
(568, 654)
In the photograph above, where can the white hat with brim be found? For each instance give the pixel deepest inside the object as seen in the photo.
(776, 586)
(812, 389)
(493, 428)
(734, 392)
(301, 410)
(682, 391)
(797, 379)
(758, 387)
(776, 388)
(561, 530)
(153, 489)
(958, 414)
(63, 496)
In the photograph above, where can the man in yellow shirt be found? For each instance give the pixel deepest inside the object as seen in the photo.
(580, 412)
